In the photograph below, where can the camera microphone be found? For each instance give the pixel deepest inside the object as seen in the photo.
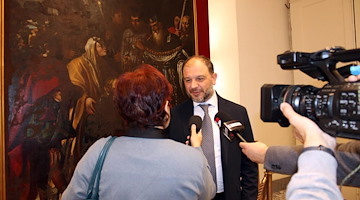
(230, 128)
(197, 121)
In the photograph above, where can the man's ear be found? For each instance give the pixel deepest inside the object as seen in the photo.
(214, 77)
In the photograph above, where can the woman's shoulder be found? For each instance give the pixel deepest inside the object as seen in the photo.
(182, 148)
(100, 143)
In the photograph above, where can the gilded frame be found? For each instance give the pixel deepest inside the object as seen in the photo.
(2, 109)
(201, 47)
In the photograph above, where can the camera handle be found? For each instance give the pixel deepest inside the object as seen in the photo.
(331, 74)
(325, 60)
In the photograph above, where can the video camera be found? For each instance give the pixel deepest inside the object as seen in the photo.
(335, 107)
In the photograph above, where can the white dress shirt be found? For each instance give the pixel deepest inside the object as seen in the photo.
(213, 110)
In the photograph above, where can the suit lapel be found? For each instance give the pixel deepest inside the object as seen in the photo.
(188, 110)
(223, 140)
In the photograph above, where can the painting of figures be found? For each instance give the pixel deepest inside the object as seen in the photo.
(61, 58)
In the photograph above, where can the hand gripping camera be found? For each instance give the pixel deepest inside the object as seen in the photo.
(335, 107)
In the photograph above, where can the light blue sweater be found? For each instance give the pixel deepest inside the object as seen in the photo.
(143, 168)
(315, 179)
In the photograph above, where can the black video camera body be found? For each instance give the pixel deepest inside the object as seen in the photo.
(334, 107)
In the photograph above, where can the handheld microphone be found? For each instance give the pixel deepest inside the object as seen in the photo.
(197, 121)
(230, 128)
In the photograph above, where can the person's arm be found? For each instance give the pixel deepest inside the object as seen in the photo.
(348, 158)
(209, 189)
(316, 176)
(278, 159)
(282, 159)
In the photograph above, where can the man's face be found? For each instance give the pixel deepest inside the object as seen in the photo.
(176, 21)
(185, 23)
(117, 18)
(135, 22)
(198, 80)
(155, 26)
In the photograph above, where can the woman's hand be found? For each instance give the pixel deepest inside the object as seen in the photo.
(195, 138)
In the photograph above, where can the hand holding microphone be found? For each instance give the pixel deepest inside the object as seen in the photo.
(195, 137)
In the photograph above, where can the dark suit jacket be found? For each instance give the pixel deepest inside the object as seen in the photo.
(239, 173)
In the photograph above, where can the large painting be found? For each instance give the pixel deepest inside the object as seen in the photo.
(59, 62)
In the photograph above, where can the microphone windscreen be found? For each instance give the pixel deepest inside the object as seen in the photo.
(222, 117)
(197, 121)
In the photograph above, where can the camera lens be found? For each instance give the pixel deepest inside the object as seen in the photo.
(302, 99)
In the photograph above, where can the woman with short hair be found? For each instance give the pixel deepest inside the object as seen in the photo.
(144, 163)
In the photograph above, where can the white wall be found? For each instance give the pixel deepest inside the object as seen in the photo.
(224, 50)
(312, 19)
(245, 38)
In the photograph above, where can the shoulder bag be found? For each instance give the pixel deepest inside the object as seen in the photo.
(93, 189)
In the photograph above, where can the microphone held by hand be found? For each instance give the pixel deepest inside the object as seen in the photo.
(197, 121)
(230, 128)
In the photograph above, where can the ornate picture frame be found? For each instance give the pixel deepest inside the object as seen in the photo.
(31, 31)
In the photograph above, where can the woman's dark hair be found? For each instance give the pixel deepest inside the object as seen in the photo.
(141, 96)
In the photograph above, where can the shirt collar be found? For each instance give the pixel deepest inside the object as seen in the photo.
(212, 101)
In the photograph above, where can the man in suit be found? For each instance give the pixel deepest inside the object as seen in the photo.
(236, 176)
